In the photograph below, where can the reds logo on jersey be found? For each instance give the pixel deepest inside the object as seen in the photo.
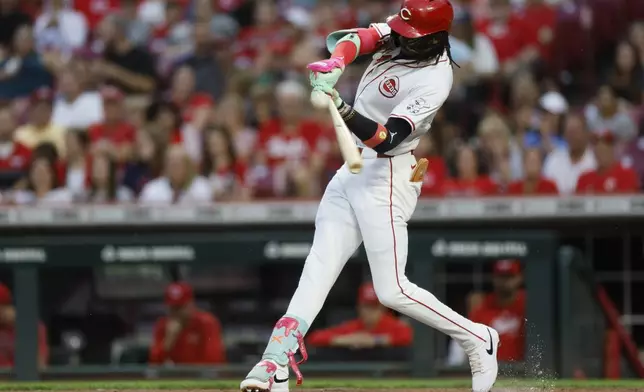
(390, 86)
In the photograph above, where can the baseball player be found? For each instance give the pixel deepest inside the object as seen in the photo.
(402, 89)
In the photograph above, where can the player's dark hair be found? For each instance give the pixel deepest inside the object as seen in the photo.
(428, 48)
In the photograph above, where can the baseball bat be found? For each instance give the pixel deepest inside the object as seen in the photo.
(348, 148)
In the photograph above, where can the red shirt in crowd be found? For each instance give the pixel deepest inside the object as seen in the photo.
(434, 177)
(119, 134)
(482, 186)
(538, 25)
(399, 333)
(280, 146)
(196, 101)
(14, 156)
(199, 342)
(508, 320)
(617, 179)
(96, 10)
(252, 40)
(542, 187)
(507, 38)
(8, 340)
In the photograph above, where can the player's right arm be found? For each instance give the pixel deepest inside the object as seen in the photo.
(345, 46)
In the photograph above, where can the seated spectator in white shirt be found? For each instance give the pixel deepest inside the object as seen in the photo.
(564, 165)
(42, 187)
(60, 28)
(179, 185)
(74, 107)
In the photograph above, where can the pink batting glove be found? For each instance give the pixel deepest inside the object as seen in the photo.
(327, 65)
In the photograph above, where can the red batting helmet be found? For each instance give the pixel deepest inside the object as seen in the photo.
(418, 18)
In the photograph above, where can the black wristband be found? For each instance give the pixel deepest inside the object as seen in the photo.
(346, 111)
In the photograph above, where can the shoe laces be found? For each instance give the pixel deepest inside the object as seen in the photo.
(293, 363)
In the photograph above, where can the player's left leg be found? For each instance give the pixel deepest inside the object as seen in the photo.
(336, 238)
(389, 199)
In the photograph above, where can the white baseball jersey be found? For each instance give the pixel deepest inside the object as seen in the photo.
(404, 89)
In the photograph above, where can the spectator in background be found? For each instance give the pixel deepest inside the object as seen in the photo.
(231, 116)
(114, 136)
(152, 12)
(636, 38)
(608, 112)
(226, 173)
(223, 26)
(468, 182)
(163, 120)
(195, 107)
(23, 71)
(60, 28)
(14, 156)
(8, 333)
(103, 182)
(436, 169)
(209, 74)
(42, 187)
(501, 154)
(76, 161)
(124, 65)
(266, 35)
(538, 20)
(75, 106)
(473, 51)
(633, 155)
(374, 327)
(180, 183)
(533, 182)
(96, 10)
(610, 176)
(504, 310)
(553, 107)
(40, 128)
(627, 76)
(172, 39)
(11, 19)
(564, 165)
(288, 146)
(147, 162)
(137, 31)
(187, 335)
(503, 30)
(524, 91)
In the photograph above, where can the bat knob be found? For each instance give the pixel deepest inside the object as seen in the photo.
(355, 168)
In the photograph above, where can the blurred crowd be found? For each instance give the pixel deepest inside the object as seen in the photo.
(195, 101)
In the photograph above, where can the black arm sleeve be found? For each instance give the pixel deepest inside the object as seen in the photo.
(365, 128)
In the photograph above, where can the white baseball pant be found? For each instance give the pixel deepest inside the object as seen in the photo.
(372, 206)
